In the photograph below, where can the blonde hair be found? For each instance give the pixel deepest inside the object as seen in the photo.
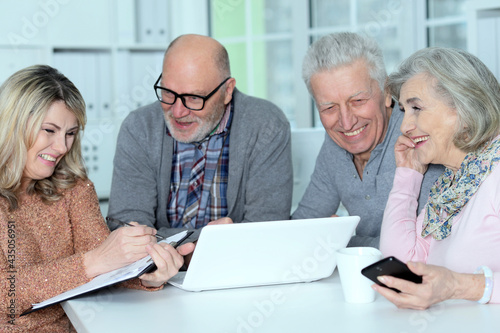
(25, 98)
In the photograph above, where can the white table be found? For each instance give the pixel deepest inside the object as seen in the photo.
(304, 307)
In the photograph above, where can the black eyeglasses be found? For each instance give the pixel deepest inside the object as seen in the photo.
(190, 101)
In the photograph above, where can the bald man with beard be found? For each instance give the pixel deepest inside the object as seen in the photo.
(204, 153)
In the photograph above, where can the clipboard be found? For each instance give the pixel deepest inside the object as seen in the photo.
(133, 270)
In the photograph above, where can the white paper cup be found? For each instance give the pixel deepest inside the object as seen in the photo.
(350, 261)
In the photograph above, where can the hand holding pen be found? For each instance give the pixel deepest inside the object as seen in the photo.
(167, 260)
(158, 237)
(122, 247)
(127, 224)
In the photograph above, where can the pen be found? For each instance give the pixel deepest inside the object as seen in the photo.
(111, 219)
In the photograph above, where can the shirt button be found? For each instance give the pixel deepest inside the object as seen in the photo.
(368, 197)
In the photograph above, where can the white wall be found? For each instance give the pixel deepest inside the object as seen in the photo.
(111, 49)
(484, 32)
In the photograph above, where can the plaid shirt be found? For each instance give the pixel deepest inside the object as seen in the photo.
(198, 184)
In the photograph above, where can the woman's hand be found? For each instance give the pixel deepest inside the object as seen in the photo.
(186, 250)
(122, 247)
(168, 262)
(406, 156)
(438, 284)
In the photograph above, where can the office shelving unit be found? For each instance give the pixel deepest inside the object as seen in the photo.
(111, 49)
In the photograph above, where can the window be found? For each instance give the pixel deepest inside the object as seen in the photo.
(446, 23)
(378, 19)
(259, 38)
(267, 39)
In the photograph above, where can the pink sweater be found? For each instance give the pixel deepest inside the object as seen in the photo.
(475, 233)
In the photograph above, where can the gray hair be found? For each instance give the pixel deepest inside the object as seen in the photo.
(341, 49)
(464, 83)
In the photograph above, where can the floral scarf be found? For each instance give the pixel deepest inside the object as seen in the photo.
(451, 192)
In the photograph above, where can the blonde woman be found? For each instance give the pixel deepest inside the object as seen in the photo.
(52, 235)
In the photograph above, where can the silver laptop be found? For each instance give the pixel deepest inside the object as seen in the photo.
(265, 253)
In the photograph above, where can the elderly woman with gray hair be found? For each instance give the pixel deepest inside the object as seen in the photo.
(451, 105)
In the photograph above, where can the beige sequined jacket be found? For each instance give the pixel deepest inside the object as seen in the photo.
(42, 250)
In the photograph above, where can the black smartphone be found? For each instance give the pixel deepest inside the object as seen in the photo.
(390, 266)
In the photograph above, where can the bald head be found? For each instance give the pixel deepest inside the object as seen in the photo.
(202, 50)
(196, 65)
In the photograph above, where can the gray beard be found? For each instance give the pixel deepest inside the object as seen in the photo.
(205, 127)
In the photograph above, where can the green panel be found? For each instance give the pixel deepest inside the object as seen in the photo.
(238, 60)
(258, 17)
(229, 21)
(228, 18)
(259, 69)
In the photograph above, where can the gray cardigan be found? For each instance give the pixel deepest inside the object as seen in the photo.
(260, 165)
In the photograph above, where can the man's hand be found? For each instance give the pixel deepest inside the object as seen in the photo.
(224, 220)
